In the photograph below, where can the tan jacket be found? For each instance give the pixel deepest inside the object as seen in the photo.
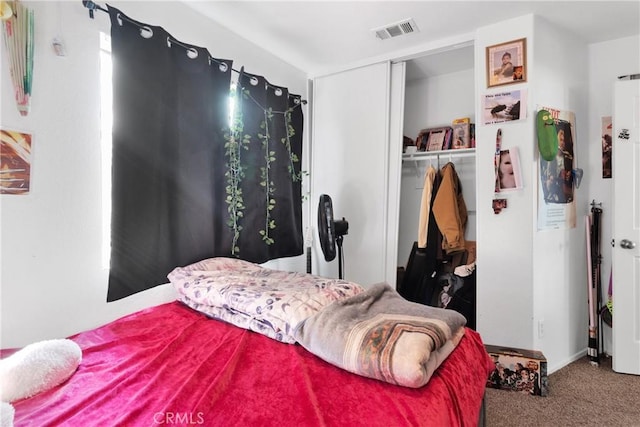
(425, 206)
(450, 211)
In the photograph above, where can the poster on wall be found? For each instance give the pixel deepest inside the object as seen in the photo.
(556, 189)
(607, 141)
(505, 106)
(15, 161)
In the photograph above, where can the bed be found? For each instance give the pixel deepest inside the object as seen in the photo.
(172, 364)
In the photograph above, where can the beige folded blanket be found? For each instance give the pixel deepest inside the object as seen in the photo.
(379, 334)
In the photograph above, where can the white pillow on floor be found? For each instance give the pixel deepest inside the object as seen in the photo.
(38, 367)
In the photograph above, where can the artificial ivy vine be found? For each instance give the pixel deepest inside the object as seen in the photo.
(269, 157)
(293, 158)
(266, 183)
(235, 141)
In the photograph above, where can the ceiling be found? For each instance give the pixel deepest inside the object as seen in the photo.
(320, 37)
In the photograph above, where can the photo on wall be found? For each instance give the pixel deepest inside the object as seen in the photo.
(15, 162)
(509, 171)
(504, 106)
(507, 63)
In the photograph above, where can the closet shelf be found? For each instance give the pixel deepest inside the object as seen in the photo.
(427, 155)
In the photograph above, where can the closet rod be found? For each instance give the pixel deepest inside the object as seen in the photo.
(94, 6)
(428, 155)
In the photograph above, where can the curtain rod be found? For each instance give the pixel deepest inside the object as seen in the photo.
(94, 6)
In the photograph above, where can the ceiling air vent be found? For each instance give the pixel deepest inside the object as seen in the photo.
(396, 29)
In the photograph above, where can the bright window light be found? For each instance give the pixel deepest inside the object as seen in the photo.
(232, 104)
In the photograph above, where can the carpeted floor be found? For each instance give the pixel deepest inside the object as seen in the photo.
(580, 394)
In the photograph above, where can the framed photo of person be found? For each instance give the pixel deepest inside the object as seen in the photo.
(507, 63)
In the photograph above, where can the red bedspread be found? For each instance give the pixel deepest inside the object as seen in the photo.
(171, 365)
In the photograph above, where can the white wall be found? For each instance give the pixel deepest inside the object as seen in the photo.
(437, 100)
(505, 251)
(607, 61)
(53, 283)
(559, 275)
(526, 277)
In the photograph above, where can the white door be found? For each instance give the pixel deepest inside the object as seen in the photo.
(350, 163)
(626, 227)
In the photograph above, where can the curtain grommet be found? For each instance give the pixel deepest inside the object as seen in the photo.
(146, 32)
(192, 53)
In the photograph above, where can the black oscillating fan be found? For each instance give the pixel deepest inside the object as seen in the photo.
(330, 232)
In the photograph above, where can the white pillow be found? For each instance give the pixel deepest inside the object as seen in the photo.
(6, 414)
(38, 367)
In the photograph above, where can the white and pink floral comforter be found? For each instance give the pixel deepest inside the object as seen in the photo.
(267, 301)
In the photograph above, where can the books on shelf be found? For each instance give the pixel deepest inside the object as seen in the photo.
(434, 139)
(461, 133)
(447, 140)
(473, 135)
(438, 139)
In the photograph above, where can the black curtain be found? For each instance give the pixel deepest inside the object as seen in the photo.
(270, 121)
(171, 162)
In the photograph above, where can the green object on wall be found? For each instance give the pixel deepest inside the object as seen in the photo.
(547, 135)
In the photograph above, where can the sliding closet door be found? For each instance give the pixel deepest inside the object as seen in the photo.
(396, 132)
(350, 163)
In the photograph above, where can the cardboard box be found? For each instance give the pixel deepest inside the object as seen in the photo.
(518, 370)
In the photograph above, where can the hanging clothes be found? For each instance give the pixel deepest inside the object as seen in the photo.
(450, 210)
(422, 268)
(441, 246)
(425, 206)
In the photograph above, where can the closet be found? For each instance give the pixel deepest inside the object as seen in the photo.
(439, 88)
(529, 282)
(359, 118)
